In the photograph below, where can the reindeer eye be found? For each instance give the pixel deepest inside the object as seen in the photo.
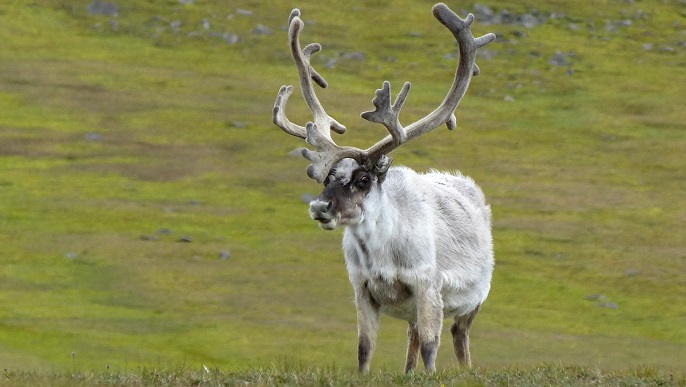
(362, 182)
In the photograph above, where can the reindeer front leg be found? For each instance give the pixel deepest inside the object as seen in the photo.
(367, 326)
(429, 323)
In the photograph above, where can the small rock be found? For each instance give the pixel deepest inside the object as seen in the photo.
(359, 56)
(224, 255)
(230, 38)
(483, 13)
(90, 136)
(508, 98)
(624, 23)
(243, 12)
(237, 124)
(595, 297)
(486, 54)
(261, 30)
(103, 8)
(648, 46)
(185, 2)
(331, 63)
(631, 272)
(150, 238)
(609, 305)
(529, 21)
(70, 255)
(559, 59)
(185, 239)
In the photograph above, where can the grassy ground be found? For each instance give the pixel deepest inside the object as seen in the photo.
(120, 138)
(297, 375)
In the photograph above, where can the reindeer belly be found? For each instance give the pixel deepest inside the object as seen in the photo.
(394, 298)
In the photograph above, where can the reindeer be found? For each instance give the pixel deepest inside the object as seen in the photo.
(417, 247)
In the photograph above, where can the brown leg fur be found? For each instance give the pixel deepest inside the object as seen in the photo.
(460, 332)
(412, 348)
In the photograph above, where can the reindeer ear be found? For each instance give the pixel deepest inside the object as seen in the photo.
(381, 166)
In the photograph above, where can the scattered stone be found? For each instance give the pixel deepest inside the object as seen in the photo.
(595, 297)
(359, 56)
(175, 25)
(483, 13)
(205, 24)
(530, 21)
(185, 2)
(648, 46)
(519, 34)
(260, 30)
(164, 231)
(609, 305)
(149, 238)
(631, 272)
(90, 136)
(486, 15)
(414, 34)
(625, 23)
(224, 255)
(103, 8)
(237, 124)
(70, 255)
(486, 54)
(243, 12)
(185, 239)
(559, 59)
(331, 63)
(230, 38)
(508, 98)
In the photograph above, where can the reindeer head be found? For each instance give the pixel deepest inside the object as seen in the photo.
(350, 174)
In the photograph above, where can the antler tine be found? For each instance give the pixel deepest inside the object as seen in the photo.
(444, 114)
(316, 133)
(307, 74)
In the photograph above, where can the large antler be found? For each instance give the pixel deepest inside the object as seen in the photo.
(307, 74)
(327, 153)
(445, 113)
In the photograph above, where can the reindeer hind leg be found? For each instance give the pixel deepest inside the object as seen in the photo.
(412, 348)
(460, 331)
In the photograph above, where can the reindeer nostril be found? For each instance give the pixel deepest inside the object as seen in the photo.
(329, 206)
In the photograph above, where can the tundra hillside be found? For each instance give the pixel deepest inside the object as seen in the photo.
(151, 213)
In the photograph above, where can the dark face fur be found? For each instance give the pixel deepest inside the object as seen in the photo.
(342, 200)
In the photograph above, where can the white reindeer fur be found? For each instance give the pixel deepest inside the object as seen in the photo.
(450, 247)
(418, 244)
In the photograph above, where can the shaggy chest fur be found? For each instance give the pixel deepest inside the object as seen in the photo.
(423, 228)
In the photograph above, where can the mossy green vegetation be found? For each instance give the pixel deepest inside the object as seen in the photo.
(298, 375)
(150, 213)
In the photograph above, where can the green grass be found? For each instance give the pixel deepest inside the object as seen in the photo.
(114, 145)
(547, 374)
